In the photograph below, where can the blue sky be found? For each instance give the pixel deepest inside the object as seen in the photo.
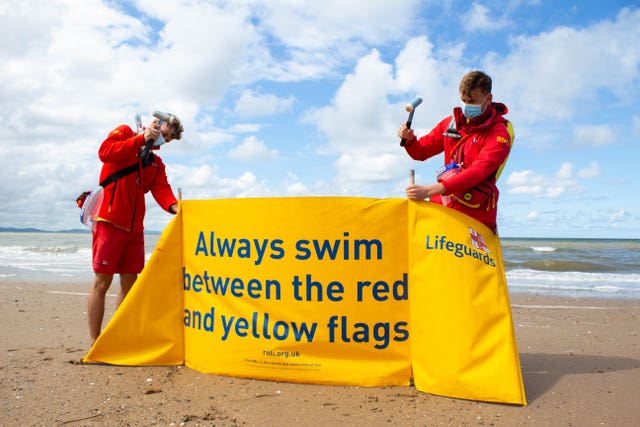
(297, 98)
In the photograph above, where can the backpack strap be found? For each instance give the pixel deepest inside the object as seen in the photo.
(126, 171)
(119, 174)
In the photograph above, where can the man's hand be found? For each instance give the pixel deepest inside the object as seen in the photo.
(173, 208)
(152, 131)
(406, 133)
(421, 192)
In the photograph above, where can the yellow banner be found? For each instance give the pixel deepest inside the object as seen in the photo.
(147, 327)
(462, 336)
(317, 290)
(297, 289)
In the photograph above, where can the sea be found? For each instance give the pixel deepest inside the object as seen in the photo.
(577, 268)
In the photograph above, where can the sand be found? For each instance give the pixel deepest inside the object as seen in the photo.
(580, 361)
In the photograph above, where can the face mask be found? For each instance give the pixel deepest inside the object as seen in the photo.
(158, 142)
(473, 110)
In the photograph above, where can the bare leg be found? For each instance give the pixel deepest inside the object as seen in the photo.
(95, 305)
(126, 282)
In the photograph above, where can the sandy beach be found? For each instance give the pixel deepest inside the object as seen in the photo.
(580, 361)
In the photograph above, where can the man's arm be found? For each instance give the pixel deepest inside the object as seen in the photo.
(429, 145)
(161, 190)
(122, 144)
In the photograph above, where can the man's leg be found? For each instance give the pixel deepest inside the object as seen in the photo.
(126, 282)
(95, 305)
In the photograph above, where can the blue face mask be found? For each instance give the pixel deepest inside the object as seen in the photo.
(472, 110)
(158, 142)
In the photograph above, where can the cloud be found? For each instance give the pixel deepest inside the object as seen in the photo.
(478, 18)
(617, 216)
(73, 70)
(251, 104)
(204, 182)
(593, 136)
(358, 125)
(421, 68)
(528, 182)
(251, 150)
(322, 25)
(568, 68)
(297, 189)
(593, 171)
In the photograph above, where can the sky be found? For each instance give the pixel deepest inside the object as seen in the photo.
(305, 97)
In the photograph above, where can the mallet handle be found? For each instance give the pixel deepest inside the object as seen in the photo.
(148, 144)
(403, 141)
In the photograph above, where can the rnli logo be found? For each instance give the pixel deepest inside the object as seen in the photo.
(477, 241)
(502, 139)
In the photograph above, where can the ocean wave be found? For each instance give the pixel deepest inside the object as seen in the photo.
(52, 249)
(577, 291)
(559, 265)
(574, 284)
(534, 277)
(543, 248)
(8, 251)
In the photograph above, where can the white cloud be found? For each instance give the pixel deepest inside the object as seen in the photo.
(72, 70)
(528, 182)
(357, 123)
(423, 70)
(298, 189)
(617, 216)
(359, 100)
(559, 73)
(593, 171)
(204, 182)
(478, 18)
(251, 150)
(565, 172)
(594, 136)
(318, 25)
(251, 104)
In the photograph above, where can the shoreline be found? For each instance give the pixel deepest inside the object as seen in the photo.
(580, 361)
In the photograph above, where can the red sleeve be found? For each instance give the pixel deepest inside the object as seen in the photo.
(490, 156)
(161, 190)
(429, 145)
(121, 144)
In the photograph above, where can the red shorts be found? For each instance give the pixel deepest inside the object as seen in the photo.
(117, 251)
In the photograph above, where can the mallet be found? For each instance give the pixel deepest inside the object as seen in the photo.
(411, 108)
(161, 116)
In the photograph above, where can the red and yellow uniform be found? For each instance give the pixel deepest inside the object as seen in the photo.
(481, 146)
(118, 236)
(124, 203)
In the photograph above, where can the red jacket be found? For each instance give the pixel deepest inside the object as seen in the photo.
(123, 203)
(482, 149)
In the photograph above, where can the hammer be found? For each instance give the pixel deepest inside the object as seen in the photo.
(411, 108)
(161, 116)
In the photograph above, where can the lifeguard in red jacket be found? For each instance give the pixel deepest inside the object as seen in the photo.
(476, 141)
(131, 169)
